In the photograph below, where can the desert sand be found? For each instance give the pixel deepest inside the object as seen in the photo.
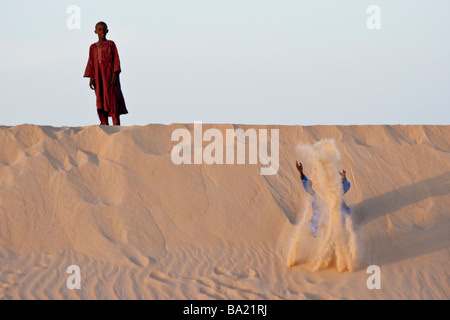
(111, 201)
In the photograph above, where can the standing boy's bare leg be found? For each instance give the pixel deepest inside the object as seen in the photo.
(116, 119)
(103, 116)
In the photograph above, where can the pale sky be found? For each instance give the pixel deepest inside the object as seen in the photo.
(288, 62)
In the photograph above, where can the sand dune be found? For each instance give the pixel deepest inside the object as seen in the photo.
(111, 201)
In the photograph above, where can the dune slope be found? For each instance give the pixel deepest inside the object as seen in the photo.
(111, 201)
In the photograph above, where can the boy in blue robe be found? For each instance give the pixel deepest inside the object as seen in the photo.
(316, 202)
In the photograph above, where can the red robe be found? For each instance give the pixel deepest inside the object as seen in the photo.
(103, 62)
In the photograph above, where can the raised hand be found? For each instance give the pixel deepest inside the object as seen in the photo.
(343, 175)
(299, 166)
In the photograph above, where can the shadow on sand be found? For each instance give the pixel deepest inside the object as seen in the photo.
(410, 241)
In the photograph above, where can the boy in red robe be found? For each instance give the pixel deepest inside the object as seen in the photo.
(103, 69)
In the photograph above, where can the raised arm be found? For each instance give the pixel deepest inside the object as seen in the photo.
(307, 184)
(345, 182)
(300, 169)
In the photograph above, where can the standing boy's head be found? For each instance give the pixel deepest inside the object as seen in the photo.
(101, 29)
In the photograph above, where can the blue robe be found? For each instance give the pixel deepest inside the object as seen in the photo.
(316, 206)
